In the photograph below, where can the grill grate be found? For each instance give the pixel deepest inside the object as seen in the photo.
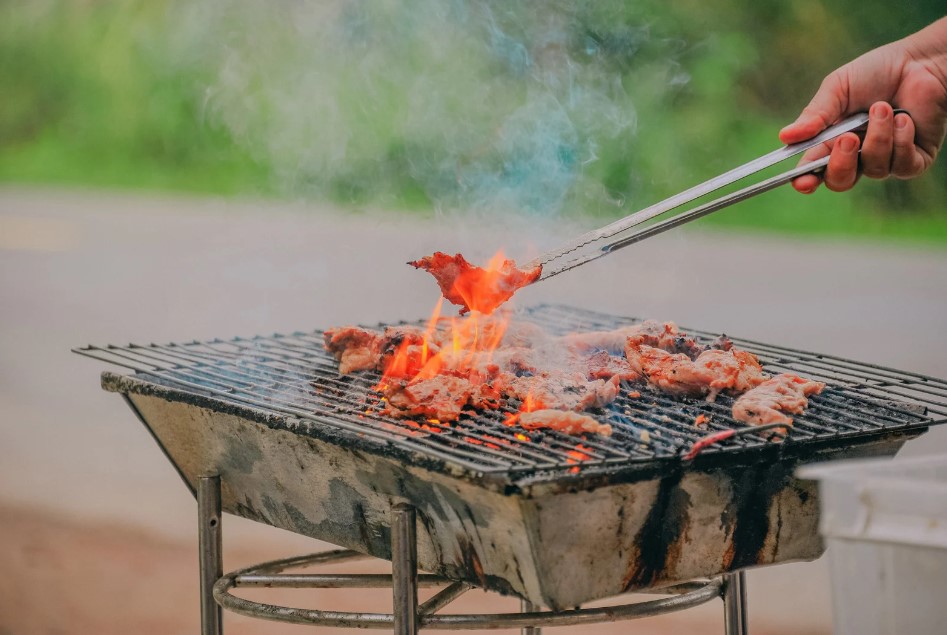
(293, 378)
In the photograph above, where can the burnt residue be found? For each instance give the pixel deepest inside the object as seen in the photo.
(658, 544)
(471, 562)
(443, 502)
(344, 521)
(620, 531)
(271, 509)
(746, 517)
(345, 516)
(240, 454)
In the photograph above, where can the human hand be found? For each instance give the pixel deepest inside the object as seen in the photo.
(910, 74)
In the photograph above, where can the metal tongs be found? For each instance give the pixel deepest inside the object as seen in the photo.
(589, 247)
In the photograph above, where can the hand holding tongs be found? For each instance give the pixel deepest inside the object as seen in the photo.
(587, 247)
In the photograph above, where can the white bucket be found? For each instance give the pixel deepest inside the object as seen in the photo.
(885, 526)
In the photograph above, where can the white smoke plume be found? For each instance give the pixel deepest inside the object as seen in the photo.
(489, 106)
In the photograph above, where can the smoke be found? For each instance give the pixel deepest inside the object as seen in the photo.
(480, 105)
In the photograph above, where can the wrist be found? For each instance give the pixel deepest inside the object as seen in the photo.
(929, 47)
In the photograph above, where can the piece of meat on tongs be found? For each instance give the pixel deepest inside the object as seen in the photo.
(476, 288)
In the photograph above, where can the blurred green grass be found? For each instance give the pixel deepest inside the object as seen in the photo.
(93, 95)
(90, 99)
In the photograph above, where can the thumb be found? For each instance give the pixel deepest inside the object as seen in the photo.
(827, 106)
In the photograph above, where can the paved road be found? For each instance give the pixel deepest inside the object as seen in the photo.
(80, 267)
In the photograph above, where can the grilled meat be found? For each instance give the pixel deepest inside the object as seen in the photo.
(442, 397)
(665, 336)
(475, 288)
(610, 341)
(560, 390)
(363, 349)
(768, 402)
(355, 348)
(485, 363)
(673, 373)
(601, 365)
(563, 421)
(711, 372)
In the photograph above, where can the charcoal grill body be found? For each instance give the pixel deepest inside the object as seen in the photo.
(557, 542)
(299, 447)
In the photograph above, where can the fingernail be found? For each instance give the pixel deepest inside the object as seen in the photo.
(848, 144)
(879, 112)
(901, 122)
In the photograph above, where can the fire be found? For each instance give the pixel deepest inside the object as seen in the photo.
(463, 348)
(484, 289)
(429, 331)
(460, 346)
(481, 289)
(531, 404)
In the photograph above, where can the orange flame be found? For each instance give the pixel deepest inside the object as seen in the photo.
(474, 288)
(464, 346)
(531, 404)
(412, 357)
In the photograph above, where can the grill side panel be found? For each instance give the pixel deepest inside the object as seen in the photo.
(550, 546)
(344, 496)
(668, 530)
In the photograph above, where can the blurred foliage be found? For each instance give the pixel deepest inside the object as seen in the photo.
(89, 99)
(96, 93)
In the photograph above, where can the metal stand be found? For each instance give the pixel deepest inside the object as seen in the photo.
(734, 604)
(528, 607)
(404, 569)
(211, 556)
(408, 616)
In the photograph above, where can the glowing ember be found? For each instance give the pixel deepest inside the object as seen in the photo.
(481, 289)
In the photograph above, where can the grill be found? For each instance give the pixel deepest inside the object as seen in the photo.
(302, 448)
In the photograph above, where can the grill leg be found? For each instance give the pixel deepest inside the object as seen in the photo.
(528, 607)
(734, 604)
(404, 569)
(211, 561)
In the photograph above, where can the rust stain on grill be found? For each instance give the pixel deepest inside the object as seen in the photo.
(471, 562)
(659, 542)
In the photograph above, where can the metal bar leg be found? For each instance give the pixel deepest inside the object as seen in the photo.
(528, 607)
(734, 604)
(211, 559)
(404, 569)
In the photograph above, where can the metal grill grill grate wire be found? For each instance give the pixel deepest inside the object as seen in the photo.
(292, 376)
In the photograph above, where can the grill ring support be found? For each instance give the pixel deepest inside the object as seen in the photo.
(405, 582)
